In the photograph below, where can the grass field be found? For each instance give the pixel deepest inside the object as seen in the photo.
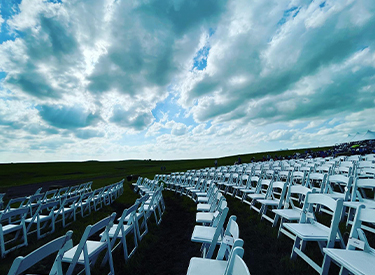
(167, 248)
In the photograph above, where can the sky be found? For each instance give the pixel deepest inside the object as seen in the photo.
(175, 79)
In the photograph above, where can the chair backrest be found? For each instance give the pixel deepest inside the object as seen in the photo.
(38, 191)
(264, 186)
(236, 264)
(49, 195)
(298, 177)
(62, 191)
(316, 180)
(48, 207)
(278, 191)
(230, 240)
(358, 193)
(296, 196)
(19, 212)
(284, 176)
(15, 203)
(343, 182)
(364, 217)
(60, 245)
(220, 217)
(335, 206)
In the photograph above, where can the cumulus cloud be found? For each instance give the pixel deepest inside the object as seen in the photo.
(271, 70)
(151, 76)
(88, 133)
(127, 118)
(68, 117)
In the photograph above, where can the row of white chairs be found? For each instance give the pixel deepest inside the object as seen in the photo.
(155, 205)
(132, 222)
(211, 214)
(300, 205)
(40, 215)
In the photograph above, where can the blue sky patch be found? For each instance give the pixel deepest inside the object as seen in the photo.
(287, 13)
(200, 60)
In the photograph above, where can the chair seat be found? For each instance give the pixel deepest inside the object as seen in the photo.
(248, 191)
(127, 229)
(229, 184)
(269, 202)
(256, 196)
(138, 216)
(204, 217)
(355, 204)
(11, 227)
(289, 214)
(308, 231)
(203, 234)
(201, 194)
(93, 247)
(203, 207)
(239, 187)
(149, 207)
(203, 199)
(356, 261)
(65, 210)
(203, 266)
(42, 218)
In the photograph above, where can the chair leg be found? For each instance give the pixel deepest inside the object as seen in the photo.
(275, 220)
(326, 265)
(281, 226)
(296, 245)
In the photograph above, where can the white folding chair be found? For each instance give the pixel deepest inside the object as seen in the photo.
(211, 202)
(154, 205)
(360, 195)
(83, 204)
(251, 187)
(233, 181)
(207, 235)
(140, 215)
(264, 190)
(15, 203)
(12, 222)
(292, 210)
(87, 251)
(49, 195)
(66, 210)
(207, 217)
(97, 198)
(274, 200)
(233, 266)
(310, 230)
(242, 184)
(316, 181)
(223, 264)
(122, 229)
(358, 257)
(42, 218)
(59, 245)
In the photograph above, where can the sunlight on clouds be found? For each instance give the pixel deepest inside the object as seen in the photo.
(110, 79)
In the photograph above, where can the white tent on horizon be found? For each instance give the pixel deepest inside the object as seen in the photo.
(359, 137)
